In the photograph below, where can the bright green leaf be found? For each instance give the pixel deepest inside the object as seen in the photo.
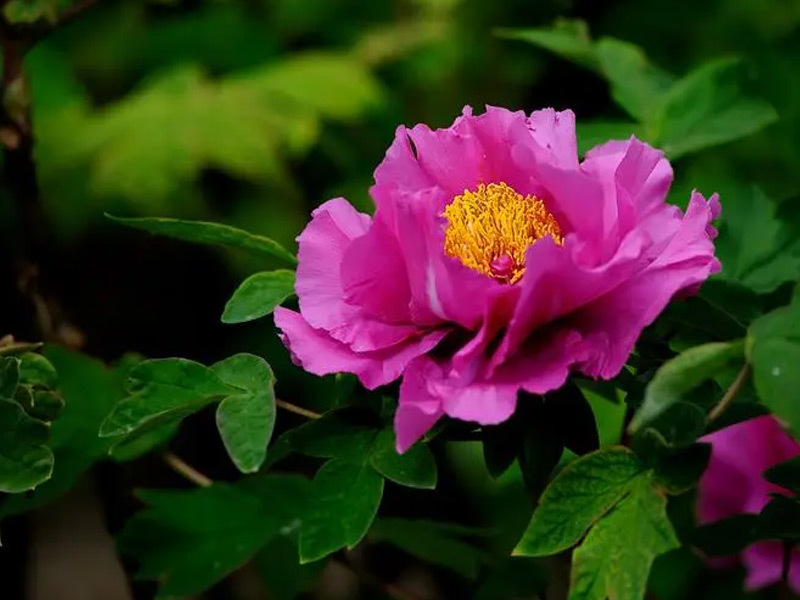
(709, 107)
(216, 234)
(25, 461)
(637, 85)
(581, 493)
(246, 419)
(615, 558)
(681, 374)
(161, 387)
(343, 504)
(415, 468)
(258, 295)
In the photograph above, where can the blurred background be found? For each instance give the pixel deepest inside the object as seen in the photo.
(253, 112)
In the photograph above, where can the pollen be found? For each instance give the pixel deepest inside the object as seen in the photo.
(489, 230)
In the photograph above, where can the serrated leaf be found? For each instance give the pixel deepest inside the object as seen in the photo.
(246, 419)
(189, 540)
(581, 493)
(160, 387)
(25, 461)
(344, 501)
(415, 468)
(567, 38)
(258, 295)
(679, 375)
(615, 558)
(636, 85)
(433, 544)
(215, 234)
(708, 107)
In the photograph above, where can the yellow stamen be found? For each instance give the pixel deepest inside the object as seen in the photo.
(490, 229)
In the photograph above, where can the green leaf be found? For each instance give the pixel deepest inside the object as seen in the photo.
(637, 86)
(775, 356)
(415, 468)
(25, 461)
(678, 426)
(35, 369)
(429, 542)
(258, 295)
(215, 234)
(344, 502)
(727, 537)
(785, 474)
(280, 569)
(246, 419)
(615, 558)
(581, 493)
(567, 38)
(9, 376)
(189, 540)
(30, 11)
(41, 404)
(708, 107)
(89, 390)
(679, 375)
(757, 248)
(514, 578)
(161, 387)
(141, 441)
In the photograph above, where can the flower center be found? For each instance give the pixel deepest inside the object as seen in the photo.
(490, 229)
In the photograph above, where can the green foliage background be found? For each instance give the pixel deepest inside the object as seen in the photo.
(251, 113)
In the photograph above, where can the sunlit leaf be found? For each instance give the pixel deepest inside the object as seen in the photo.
(258, 295)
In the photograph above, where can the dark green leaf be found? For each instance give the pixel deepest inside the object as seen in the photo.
(143, 440)
(9, 376)
(780, 519)
(160, 387)
(709, 107)
(343, 504)
(567, 38)
(728, 537)
(677, 427)
(427, 541)
(785, 474)
(681, 374)
(568, 410)
(25, 461)
(280, 569)
(580, 494)
(189, 540)
(246, 419)
(215, 234)
(43, 404)
(615, 558)
(514, 578)
(35, 369)
(501, 445)
(258, 295)
(678, 471)
(415, 468)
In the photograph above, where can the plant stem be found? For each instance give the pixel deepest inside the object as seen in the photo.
(730, 394)
(189, 472)
(298, 410)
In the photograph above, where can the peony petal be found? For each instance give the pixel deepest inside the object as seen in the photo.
(418, 409)
(318, 353)
(554, 131)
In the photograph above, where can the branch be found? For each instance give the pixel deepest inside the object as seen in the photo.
(731, 393)
(298, 410)
(189, 472)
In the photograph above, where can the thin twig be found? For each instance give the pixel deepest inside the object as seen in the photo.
(186, 470)
(298, 410)
(731, 393)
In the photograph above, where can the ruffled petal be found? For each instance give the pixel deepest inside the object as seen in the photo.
(323, 246)
(418, 409)
(318, 353)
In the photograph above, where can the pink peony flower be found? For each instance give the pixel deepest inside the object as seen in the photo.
(495, 262)
(733, 484)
